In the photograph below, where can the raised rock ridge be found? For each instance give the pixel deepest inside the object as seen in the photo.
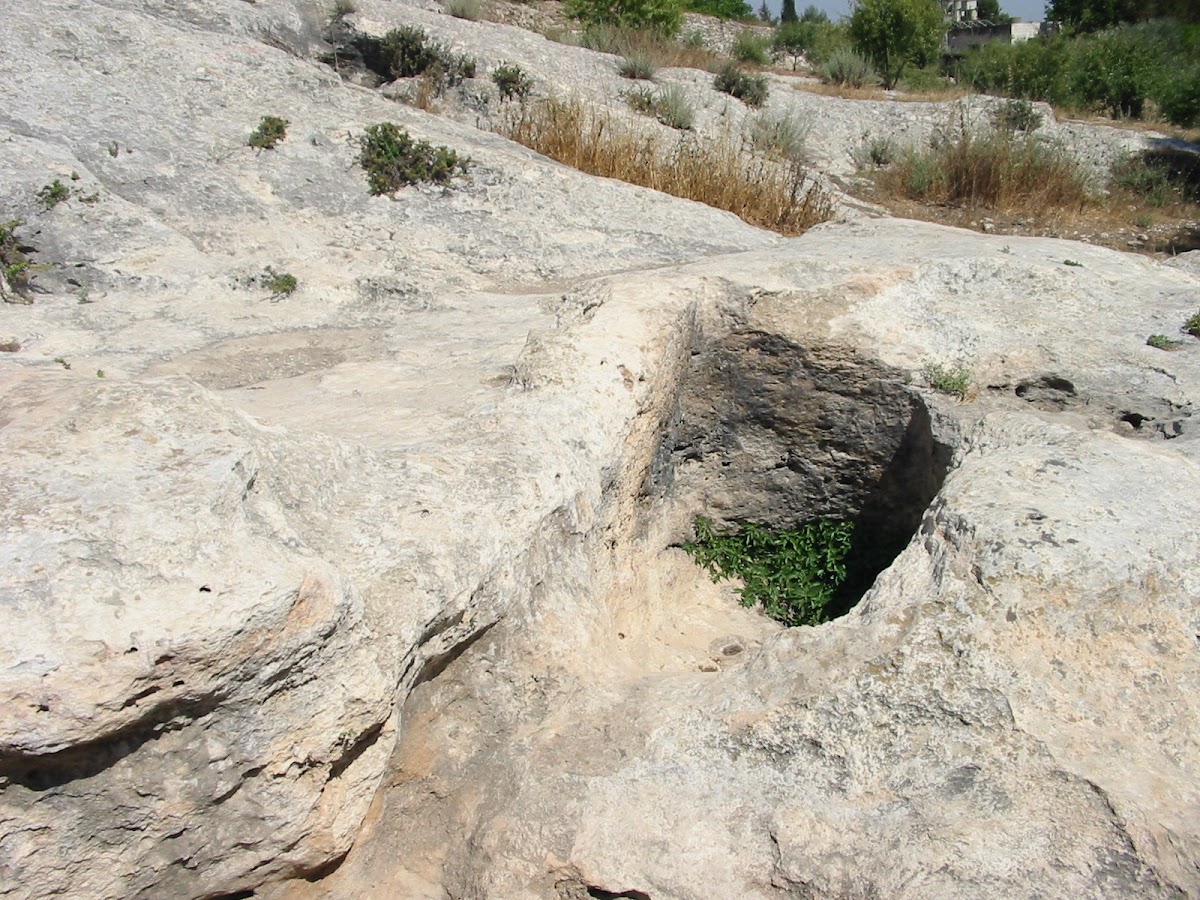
(388, 567)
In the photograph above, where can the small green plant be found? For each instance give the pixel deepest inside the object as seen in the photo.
(464, 9)
(270, 131)
(62, 362)
(99, 373)
(750, 89)
(280, 284)
(512, 82)
(793, 575)
(637, 65)
(53, 194)
(1073, 262)
(848, 68)
(1162, 342)
(751, 47)
(954, 380)
(669, 105)
(393, 160)
(1192, 325)
(14, 264)
(1017, 115)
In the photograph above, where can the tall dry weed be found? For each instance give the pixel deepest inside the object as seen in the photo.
(715, 171)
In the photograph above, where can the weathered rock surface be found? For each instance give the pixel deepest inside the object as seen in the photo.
(391, 561)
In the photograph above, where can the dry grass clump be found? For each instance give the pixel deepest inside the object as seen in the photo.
(990, 170)
(649, 46)
(717, 172)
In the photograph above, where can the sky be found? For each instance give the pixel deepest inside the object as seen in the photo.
(1028, 10)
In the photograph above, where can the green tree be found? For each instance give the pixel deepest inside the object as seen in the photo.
(1092, 15)
(787, 12)
(659, 15)
(814, 14)
(989, 11)
(893, 33)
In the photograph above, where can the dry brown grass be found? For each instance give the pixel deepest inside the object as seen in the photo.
(990, 170)
(718, 172)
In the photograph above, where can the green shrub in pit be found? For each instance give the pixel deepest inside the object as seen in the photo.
(793, 575)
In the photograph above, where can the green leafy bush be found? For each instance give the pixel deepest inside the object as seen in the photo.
(660, 15)
(270, 131)
(1116, 71)
(750, 89)
(847, 67)
(1192, 325)
(512, 82)
(393, 160)
(793, 575)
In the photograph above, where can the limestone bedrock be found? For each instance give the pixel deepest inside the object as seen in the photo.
(374, 590)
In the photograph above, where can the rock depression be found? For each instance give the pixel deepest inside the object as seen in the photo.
(375, 589)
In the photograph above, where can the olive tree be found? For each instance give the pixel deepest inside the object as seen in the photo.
(893, 33)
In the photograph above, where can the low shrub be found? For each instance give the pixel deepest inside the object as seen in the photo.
(659, 49)
(751, 47)
(792, 575)
(779, 136)
(408, 51)
(53, 194)
(1162, 342)
(954, 380)
(280, 284)
(1016, 115)
(394, 160)
(713, 171)
(512, 82)
(464, 9)
(1192, 325)
(1159, 177)
(750, 89)
(341, 9)
(847, 67)
(14, 264)
(875, 151)
(669, 105)
(270, 131)
(637, 65)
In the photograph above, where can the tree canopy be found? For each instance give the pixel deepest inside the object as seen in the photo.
(893, 33)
